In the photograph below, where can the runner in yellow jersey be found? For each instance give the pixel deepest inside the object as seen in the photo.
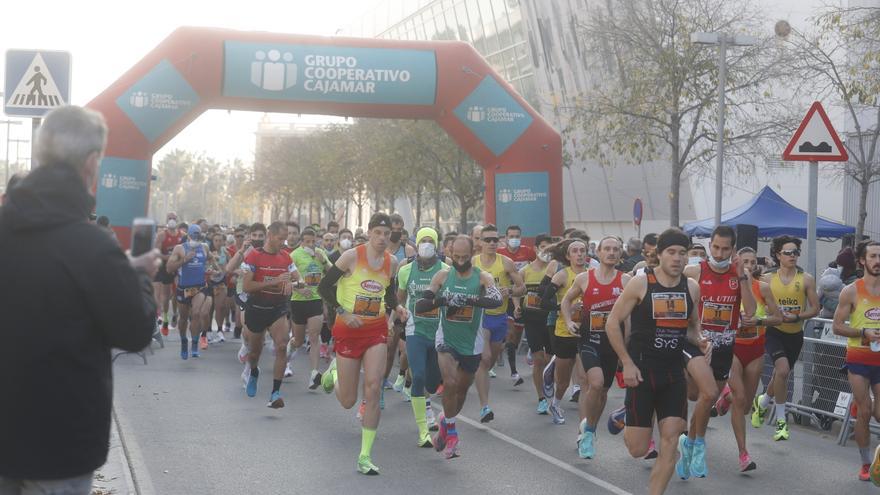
(365, 277)
(494, 327)
(860, 304)
(795, 294)
(563, 341)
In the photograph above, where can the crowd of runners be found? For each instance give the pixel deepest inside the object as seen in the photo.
(668, 320)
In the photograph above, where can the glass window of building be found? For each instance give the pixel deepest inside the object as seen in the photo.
(479, 37)
(491, 32)
(499, 7)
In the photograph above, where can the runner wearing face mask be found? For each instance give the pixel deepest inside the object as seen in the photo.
(521, 256)
(534, 318)
(165, 242)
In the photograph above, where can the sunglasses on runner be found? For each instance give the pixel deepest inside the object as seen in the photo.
(791, 252)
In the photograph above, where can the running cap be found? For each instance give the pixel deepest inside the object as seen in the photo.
(672, 237)
(426, 232)
(379, 219)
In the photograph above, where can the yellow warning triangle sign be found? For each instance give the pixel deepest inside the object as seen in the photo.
(37, 88)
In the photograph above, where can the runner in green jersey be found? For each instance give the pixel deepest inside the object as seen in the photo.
(421, 329)
(461, 294)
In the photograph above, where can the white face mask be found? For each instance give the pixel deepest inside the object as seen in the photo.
(514, 242)
(427, 250)
(172, 224)
(694, 260)
(345, 243)
(721, 265)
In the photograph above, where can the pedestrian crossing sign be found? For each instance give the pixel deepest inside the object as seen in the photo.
(36, 82)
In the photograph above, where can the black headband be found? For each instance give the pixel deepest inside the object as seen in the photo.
(668, 239)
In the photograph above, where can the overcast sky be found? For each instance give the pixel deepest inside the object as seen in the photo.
(106, 38)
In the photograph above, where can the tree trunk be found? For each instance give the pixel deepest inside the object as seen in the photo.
(347, 204)
(864, 186)
(463, 215)
(418, 206)
(360, 205)
(675, 186)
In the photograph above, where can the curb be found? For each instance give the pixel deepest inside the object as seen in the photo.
(125, 465)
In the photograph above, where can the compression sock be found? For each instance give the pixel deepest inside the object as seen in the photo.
(419, 411)
(368, 436)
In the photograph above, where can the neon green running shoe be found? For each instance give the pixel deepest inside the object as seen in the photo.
(328, 380)
(366, 466)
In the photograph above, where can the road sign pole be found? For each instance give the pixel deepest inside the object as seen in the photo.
(719, 158)
(811, 221)
(35, 125)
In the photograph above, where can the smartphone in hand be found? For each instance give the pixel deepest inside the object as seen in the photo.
(143, 235)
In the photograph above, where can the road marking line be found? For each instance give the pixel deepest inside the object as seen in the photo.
(546, 457)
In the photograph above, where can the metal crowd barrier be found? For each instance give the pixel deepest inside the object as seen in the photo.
(818, 391)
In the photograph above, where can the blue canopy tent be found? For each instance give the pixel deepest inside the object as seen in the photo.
(773, 216)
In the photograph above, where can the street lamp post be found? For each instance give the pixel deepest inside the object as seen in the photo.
(723, 40)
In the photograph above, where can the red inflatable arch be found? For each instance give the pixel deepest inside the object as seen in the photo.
(196, 69)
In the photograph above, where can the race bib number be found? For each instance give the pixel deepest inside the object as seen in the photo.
(669, 306)
(748, 333)
(794, 310)
(461, 314)
(717, 314)
(367, 306)
(533, 300)
(191, 291)
(431, 315)
(598, 319)
(313, 279)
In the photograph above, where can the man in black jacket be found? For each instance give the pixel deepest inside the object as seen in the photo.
(69, 296)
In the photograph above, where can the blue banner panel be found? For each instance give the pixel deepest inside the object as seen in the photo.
(523, 199)
(123, 186)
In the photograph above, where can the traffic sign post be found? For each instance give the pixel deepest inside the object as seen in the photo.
(815, 140)
(638, 211)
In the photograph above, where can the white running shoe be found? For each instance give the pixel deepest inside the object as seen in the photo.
(288, 371)
(220, 337)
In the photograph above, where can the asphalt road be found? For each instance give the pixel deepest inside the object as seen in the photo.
(191, 429)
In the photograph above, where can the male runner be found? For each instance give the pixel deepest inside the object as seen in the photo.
(306, 307)
(748, 356)
(476, 236)
(364, 274)
(563, 341)
(461, 293)
(190, 260)
(333, 227)
(724, 287)
(696, 254)
(598, 290)
(269, 275)
(661, 306)
(795, 294)
(494, 325)
(421, 328)
(534, 318)
(858, 318)
(293, 232)
(521, 256)
(165, 242)
(398, 247)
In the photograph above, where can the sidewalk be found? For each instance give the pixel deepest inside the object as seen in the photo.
(115, 476)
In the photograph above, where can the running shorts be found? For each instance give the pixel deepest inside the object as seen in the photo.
(662, 393)
(779, 344)
(496, 325)
(468, 364)
(260, 318)
(301, 311)
(565, 347)
(593, 356)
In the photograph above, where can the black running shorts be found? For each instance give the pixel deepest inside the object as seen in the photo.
(662, 393)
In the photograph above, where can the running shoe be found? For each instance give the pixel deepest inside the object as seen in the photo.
(652, 451)
(585, 441)
(288, 371)
(722, 405)
(550, 378)
(439, 439)
(164, 329)
(759, 414)
(430, 419)
(875, 467)
(407, 394)
(275, 400)
(329, 378)
(195, 349)
(486, 414)
(184, 350)
(617, 420)
(558, 414)
(781, 430)
(243, 353)
(203, 342)
(698, 460)
(361, 409)
(315, 379)
(387, 384)
(220, 337)
(366, 466)
(683, 465)
(747, 464)
(425, 442)
(451, 450)
(517, 380)
(543, 406)
(251, 387)
(492, 373)
(576, 395)
(399, 383)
